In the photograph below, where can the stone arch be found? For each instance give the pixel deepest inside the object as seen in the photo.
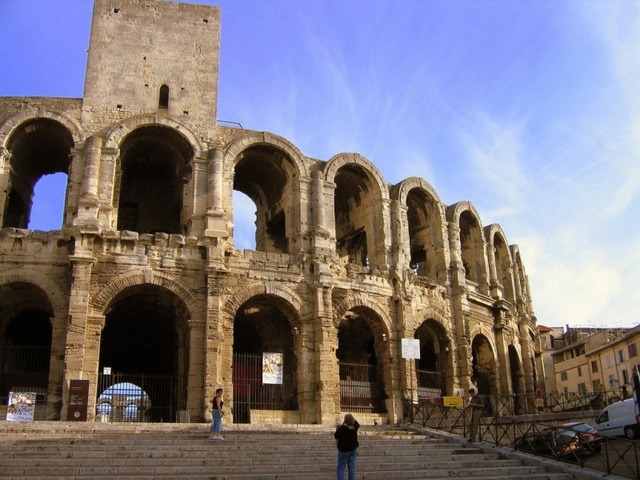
(343, 159)
(422, 234)
(472, 247)
(484, 362)
(34, 146)
(502, 261)
(57, 298)
(12, 123)
(359, 223)
(434, 369)
(235, 148)
(291, 303)
(264, 322)
(272, 173)
(119, 132)
(357, 300)
(363, 354)
(104, 298)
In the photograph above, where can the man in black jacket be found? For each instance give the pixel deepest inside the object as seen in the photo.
(347, 441)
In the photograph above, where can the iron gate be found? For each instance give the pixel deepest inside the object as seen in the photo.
(138, 397)
(360, 389)
(250, 393)
(24, 368)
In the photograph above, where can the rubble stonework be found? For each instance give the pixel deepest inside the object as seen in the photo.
(143, 276)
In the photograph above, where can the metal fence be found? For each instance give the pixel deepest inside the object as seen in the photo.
(249, 392)
(618, 456)
(24, 369)
(361, 390)
(131, 397)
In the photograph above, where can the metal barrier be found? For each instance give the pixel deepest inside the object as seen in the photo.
(250, 393)
(618, 456)
(360, 389)
(129, 397)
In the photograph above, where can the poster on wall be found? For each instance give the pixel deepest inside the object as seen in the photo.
(272, 368)
(411, 348)
(21, 406)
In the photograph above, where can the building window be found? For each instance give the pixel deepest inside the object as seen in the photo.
(625, 377)
(597, 386)
(633, 350)
(594, 367)
(582, 388)
(621, 355)
(609, 360)
(163, 98)
(563, 376)
(579, 371)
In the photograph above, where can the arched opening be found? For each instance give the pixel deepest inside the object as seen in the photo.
(359, 235)
(360, 353)
(483, 366)
(515, 372)
(244, 221)
(25, 342)
(503, 267)
(422, 231)
(144, 343)
(264, 361)
(49, 197)
(37, 148)
(433, 369)
(471, 246)
(264, 174)
(155, 165)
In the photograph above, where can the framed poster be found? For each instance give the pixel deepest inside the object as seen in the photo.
(21, 406)
(272, 368)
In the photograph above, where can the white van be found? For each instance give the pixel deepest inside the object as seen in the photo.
(619, 419)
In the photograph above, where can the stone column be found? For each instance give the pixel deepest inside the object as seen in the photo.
(197, 364)
(108, 189)
(213, 343)
(325, 361)
(88, 203)
(76, 343)
(215, 222)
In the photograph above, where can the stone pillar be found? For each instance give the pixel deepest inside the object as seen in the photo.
(495, 287)
(325, 361)
(196, 395)
(108, 189)
(213, 342)
(88, 203)
(460, 310)
(76, 343)
(215, 222)
(5, 181)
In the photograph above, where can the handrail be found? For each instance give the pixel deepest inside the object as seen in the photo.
(611, 455)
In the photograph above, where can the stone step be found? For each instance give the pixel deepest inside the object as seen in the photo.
(246, 455)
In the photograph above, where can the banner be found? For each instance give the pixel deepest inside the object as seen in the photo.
(272, 368)
(21, 406)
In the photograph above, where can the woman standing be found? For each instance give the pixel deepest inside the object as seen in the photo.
(216, 426)
(347, 442)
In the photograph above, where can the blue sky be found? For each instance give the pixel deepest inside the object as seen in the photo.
(528, 109)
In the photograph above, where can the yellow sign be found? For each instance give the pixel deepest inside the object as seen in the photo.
(452, 401)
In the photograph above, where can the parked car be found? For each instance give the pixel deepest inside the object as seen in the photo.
(588, 437)
(619, 418)
(552, 442)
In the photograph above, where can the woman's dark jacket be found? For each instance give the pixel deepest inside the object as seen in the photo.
(347, 437)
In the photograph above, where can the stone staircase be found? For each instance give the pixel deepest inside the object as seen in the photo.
(54, 450)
